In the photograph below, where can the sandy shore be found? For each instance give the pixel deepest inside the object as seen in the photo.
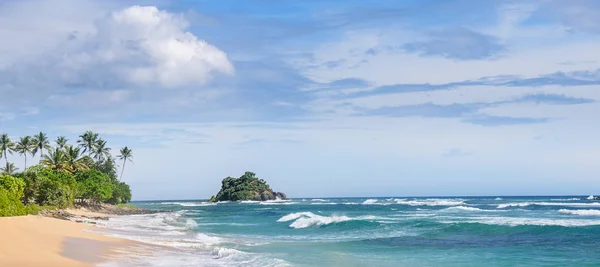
(42, 241)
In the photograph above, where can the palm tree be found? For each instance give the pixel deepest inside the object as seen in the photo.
(6, 146)
(74, 161)
(100, 150)
(24, 147)
(126, 154)
(88, 141)
(56, 160)
(61, 142)
(9, 169)
(40, 142)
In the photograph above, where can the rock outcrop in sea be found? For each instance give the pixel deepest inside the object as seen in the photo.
(247, 187)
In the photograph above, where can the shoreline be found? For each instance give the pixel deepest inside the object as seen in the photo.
(62, 238)
(35, 240)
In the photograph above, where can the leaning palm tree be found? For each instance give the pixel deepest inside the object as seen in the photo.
(100, 150)
(9, 169)
(61, 142)
(25, 146)
(6, 146)
(126, 154)
(40, 142)
(88, 141)
(56, 160)
(74, 160)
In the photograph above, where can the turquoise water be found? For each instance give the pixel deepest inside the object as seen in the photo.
(461, 231)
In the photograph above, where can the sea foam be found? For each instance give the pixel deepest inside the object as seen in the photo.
(309, 219)
(581, 212)
(430, 202)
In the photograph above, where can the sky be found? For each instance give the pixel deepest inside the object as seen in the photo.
(319, 98)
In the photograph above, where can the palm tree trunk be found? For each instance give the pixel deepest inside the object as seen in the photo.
(25, 163)
(122, 169)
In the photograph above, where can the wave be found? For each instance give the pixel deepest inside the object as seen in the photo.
(277, 203)
(308, 219)
(498, 198)
(249, 201)
(319, 200)
(189, 204)
(465, 208)
(430, 202)
(369, 202)
(191, 224)
(565, 204)
(323, 203)
(581, 212)
(516, 221)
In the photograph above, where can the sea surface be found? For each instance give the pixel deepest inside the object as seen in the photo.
(457, 231)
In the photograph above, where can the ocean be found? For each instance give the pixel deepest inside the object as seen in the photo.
(457, 231)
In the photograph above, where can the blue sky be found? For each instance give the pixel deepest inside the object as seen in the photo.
(320, 98)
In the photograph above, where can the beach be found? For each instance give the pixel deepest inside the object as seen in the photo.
(42, 241)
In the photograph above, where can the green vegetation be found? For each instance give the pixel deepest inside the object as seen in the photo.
(127, 206)
(66, 174)
(247, 187)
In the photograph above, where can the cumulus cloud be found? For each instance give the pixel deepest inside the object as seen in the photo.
(139, 45)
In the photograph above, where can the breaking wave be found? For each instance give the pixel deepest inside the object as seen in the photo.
(581, 212)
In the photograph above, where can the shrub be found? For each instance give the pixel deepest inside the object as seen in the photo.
(56, 188)
(121, 193)
(10, 204)
(94, 185)
(14, 186)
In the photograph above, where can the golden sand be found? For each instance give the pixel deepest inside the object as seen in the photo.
(42, 241)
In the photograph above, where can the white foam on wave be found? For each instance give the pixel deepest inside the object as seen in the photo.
(294, 216)
(323, 203)
(318, 200)
(517, 221)
(464, 208)
(191, 224)
(189, 204)
(498, 198)
(249, 201)
(308, 219)
(591, 197)
(277, 203)
(430, 202)
(565, 199)
(581, 212)
(565, 204)
(369, 202)
(172, 230)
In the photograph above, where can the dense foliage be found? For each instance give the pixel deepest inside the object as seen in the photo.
(247, 187)
(11, 191)
(67, 174)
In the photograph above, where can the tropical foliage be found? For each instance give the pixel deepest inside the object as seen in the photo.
(247, 187)
(66, 174)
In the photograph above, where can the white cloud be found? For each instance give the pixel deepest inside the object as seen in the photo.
(139, 45)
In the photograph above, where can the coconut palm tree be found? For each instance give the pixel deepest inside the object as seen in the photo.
(74, 160)
(9, 169)
(40, 142)
(56, 160)
(25, 146)
(61, 142)
(100, 150)
(88, 141)
(6, 146)
(126, 154)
